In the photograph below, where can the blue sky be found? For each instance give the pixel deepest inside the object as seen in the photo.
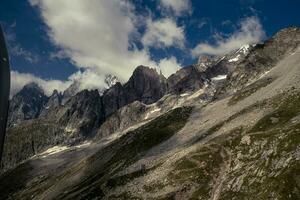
(57, 42)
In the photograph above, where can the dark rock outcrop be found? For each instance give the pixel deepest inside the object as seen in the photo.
(82, 114)
(72, 90)
(122, 119)
(54, 101)
(114, 98)
(26, 104)
(185, 79)
(145, 85)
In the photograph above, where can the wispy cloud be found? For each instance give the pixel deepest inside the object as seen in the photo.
(19, 51)
(202, 23)
(178, 7)
(163, 33)
(250, 31)
(169, 66)
(16, 49)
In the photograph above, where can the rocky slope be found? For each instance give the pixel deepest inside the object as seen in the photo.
(262, 58)
(195, 135)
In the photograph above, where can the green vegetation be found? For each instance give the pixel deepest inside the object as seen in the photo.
(207, 161)
(122, 180)
(287, 106)
(185, 164)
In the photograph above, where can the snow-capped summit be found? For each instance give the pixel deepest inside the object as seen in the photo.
(244, 49)
(240, 53)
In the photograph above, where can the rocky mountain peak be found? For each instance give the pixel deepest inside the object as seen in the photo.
(53, 102)
(26, 104)
(146, 85)
(204, 62)
(287, 32)
(72, 90)
(82, 113)
(145, 72)
(110, 80)
(262, 57)
(55, 93)
(205, 59)
(284, 41)
(32, 88)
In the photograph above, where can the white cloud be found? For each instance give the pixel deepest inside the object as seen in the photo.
(18, 80)
(163, 33)
(179, 7)
(89, 79)
(169, 66)
(95, 34)
(250, 31)
(99, 37)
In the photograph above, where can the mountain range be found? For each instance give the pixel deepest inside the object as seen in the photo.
(226, 127)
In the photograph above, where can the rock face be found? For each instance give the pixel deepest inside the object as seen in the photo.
(193, 146)
(205, 62)
(196, 76)
(185, 79)
(72, 117)
(82, 114)
(145, 85)
(123, 118)
(114, 98)
(54, 101)
(27, 104)
(70, 91)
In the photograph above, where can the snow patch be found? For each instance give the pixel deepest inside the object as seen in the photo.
(70, 130)
(244, 49)
(196, 94)
(53, 150)
(219, 77)
(184, 94)
(155, 110)
(86, 143)
(152, 111)
(235, 59)
(58, 149)
(264, 74)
